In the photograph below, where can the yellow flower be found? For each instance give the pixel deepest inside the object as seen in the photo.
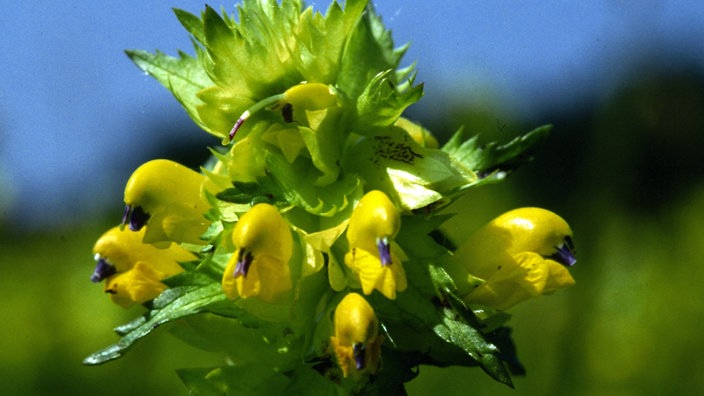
(356, 342)
(521, 254)
(373, 256)
(166, 197)
(133, 270)
(259, 266)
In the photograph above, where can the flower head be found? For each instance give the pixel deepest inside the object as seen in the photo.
(133, 270)
(259, 266)
(373, 256)
(520, 254)
(356, 342)
(166, 197)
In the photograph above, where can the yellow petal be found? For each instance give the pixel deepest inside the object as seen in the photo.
(373, 275)
(138, 285)
(124, 248)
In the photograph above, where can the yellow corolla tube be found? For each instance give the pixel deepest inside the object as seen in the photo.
(133, 270)
(373, 256)
(166, 197)
(259, 267)
(521, 254)
(356, 343)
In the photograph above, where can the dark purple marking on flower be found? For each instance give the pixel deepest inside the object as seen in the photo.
(384, 250)
(287, 112)
(103, 269)
(244, 260)
(136, 216)
(358, 350)
(565, 253)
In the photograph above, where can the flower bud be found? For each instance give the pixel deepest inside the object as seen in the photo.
(356, 342)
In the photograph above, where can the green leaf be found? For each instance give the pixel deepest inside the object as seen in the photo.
(456, 331)
(183, 76)
(241, 342)
(174, 303)
(307, 381)
(251, 379)
(494, 159)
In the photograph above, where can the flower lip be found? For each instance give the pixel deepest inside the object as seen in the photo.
(244, 260)
(358, 350)
(565, 253)
(136, 216)
(384, 251)
(103, 269)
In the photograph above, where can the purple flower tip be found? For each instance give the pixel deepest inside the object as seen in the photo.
(103, 269)
(136, 216)
(565, 254)
(244, 260)
(358, 350)
(384, 250)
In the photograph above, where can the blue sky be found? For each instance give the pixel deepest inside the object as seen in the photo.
(76, 116)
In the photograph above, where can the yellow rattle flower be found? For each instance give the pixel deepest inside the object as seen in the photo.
(259, 266)
(373, 256)
(521, 254)
(133, 270)
(356, 342)
(165, 196)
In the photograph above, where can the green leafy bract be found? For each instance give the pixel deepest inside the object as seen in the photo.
(270, 48)
(493, 159)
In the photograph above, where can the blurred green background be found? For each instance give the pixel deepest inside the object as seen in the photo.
(626, 172)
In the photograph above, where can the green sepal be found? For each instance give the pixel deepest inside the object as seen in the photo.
(295, 181)
(413, 176)
(383, 101)
(368, 51)
(323, 141)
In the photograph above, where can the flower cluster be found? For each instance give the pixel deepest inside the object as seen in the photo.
(315, 222)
